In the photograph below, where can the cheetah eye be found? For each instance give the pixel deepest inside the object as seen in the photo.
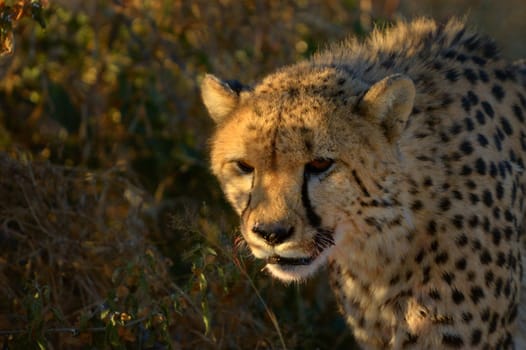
(318, 166)
(244, 167)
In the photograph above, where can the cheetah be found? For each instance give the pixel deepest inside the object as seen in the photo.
(396, 162)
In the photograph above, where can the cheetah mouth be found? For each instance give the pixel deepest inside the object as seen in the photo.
(283, 261)
(323, 239)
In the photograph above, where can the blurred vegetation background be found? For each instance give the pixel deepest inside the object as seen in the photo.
(113, 234)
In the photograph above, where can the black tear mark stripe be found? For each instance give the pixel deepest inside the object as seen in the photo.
(243, 212)
(314, 219)
(360, 184)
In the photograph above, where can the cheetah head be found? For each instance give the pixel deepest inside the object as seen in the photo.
(298, 153)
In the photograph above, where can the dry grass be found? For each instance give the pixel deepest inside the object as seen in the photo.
(70, 238)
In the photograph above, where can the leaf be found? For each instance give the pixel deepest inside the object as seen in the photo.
(7, 44)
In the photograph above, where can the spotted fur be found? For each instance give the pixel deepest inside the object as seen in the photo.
(398, 162)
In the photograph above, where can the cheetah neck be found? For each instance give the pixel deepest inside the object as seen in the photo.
(376, 295)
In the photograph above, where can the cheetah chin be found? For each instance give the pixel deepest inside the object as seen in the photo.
(295, 269)
(289, 266)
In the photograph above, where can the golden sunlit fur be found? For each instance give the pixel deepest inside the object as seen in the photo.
(397, 162)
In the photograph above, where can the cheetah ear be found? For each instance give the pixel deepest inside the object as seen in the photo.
(220, 97)
(389, 103)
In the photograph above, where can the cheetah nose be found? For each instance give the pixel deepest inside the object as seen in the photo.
(273, 233)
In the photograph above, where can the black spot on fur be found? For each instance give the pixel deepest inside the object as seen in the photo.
(485, 257)
(476, 337)
(487, 198)
(472, 43)
(483, 141)
(501, 75)
(496, 213)
(420, 256)
(434, 294)
(489, 277)
(458, 221)
(455, 129)
(506, 126)
(501, 259)
(461, 264)
(471, 184)
(493, 323)
(485, 314)
(461, 240)
(462, 58)
(437, 65)
(483, 76)
(425, 274)
(410, 339)
(476, 294)
(388, 63)
(441, 258)
(473, 221)
(493, 171)
(508, 215)
(496, 238)
(452, 74)
(480, 165)
(449, 54)
(466, 105)
(478, 60)
(488, 109)
(470, 75)
(480, 117)
(393, 281)
(470, 126)
(445, 204)
(429, 182)
(457, 296)
(467, 317)
(457, 195)
(490, 50)
(452, 341)
(466, 147)
(448, 277)
(472, 97)
(417, 205)
(517, 111)
(509, 233)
